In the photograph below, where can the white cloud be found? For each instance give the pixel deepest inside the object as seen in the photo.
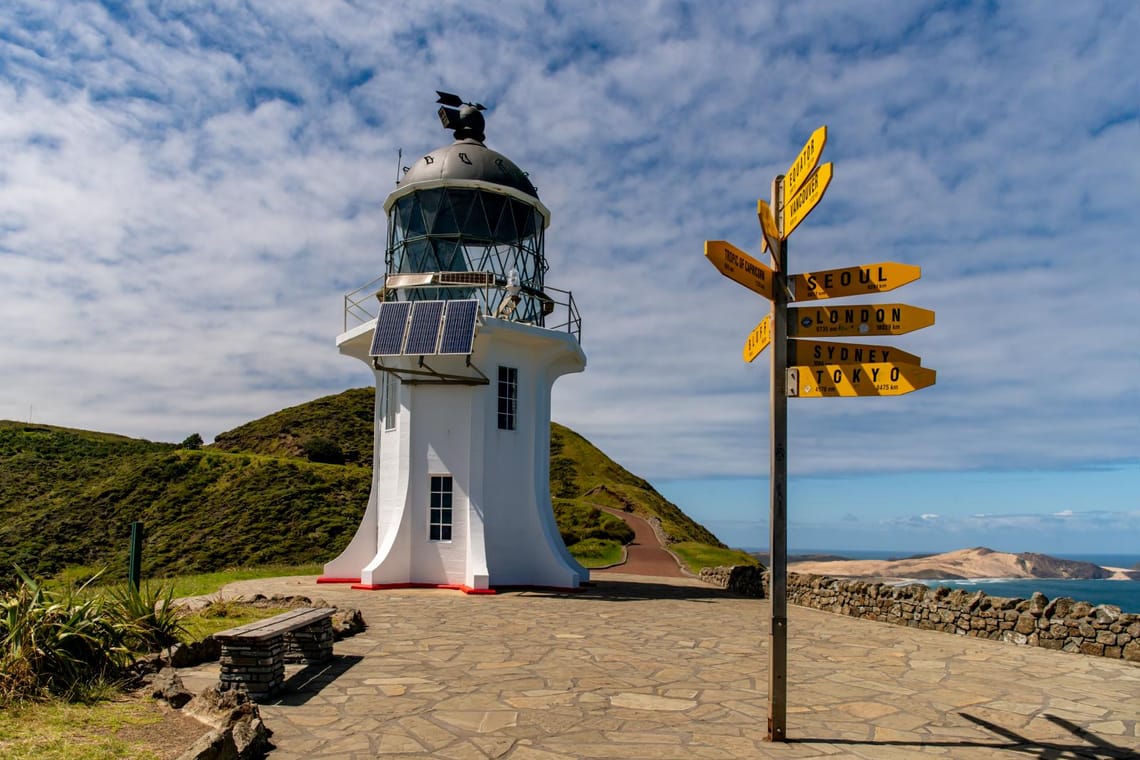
(185, 195)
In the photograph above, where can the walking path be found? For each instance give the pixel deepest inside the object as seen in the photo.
(645, 555)
(637, 667)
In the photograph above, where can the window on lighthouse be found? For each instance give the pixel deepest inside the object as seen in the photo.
(508, 397)
(439, 512)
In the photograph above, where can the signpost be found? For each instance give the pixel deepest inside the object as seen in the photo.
(853, 281)
(758, 339)
(857, 320)
(867, 379)
(737, 265)
(806, 368)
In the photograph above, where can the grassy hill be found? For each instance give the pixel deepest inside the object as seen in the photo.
(581, 472)
(67, 497)
(344, 419)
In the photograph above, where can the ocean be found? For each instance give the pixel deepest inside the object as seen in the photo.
(1123, 594)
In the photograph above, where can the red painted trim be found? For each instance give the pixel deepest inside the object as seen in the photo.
(330, 579)
(464, 589)
(448, 586)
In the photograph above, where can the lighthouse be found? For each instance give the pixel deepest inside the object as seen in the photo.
(464, 339)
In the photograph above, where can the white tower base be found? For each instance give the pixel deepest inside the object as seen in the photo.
(500, 530)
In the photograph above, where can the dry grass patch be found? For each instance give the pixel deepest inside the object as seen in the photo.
(130, 725)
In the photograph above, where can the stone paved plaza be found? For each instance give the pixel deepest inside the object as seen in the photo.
(638, 667)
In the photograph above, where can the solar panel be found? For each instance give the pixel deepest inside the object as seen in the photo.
(486, 279)
(390, 327)
(423, 332)
(458, 326)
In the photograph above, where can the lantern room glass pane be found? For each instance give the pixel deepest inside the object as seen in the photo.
(462, 202)
(432, 203)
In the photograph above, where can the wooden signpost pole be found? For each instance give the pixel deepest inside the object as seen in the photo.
(778, 486)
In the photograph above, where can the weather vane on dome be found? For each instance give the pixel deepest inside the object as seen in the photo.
(464, 119)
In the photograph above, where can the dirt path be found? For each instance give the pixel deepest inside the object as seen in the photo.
(644, 556)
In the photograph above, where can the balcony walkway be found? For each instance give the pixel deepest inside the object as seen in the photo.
(638, 667)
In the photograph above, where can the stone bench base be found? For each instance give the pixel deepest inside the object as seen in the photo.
(254, 655)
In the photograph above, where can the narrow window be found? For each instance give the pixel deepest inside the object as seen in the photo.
(391, 400)
(439, 513)
(508, 397)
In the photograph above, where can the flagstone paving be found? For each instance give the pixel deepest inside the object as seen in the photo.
(638, 667)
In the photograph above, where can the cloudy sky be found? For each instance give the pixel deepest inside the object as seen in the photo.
(187, 190)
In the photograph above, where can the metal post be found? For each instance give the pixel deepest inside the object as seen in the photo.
(134, 564)
(778, 515)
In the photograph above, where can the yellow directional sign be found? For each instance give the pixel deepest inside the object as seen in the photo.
(805, 161)
(853, 281)
(857, 320)
(867, 379)
(771, 234)
(816, 353)
(758, 339)
(798, 206)
(737, 265)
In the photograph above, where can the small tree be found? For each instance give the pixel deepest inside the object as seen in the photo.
(192, 442)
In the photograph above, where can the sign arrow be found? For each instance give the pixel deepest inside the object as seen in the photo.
(737, 265)
(805, 161)
(867, 379)
(853, 281)
(758, 339)
(771, 234)
(816, 353)
(857, 320)
(798, 206)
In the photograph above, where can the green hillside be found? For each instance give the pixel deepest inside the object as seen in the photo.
(67, 497)
(580, 471)
(344, 419)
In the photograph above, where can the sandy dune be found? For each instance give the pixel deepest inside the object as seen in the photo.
(964, 563)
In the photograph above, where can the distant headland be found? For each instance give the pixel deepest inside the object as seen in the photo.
(975, 563)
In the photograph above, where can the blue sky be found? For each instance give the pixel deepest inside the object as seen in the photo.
(188, 189)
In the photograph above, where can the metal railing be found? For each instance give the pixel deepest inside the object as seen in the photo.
(363, 304)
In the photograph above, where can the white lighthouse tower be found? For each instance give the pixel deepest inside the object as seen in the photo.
(465, 340)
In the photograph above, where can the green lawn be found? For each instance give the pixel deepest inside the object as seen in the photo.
(596, 552)
(209, 583)
(697, 556)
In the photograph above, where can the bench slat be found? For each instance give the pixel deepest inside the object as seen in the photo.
(276, 625)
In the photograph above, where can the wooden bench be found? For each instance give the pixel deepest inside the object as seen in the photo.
(255, 654)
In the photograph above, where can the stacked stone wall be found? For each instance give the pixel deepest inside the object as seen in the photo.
(746, 580)
(258, 666)
(1062, 624)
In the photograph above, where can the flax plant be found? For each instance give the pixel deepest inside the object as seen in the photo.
(57, 643)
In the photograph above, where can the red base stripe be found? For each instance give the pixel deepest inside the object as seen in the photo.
(449, 586)
(333, 579)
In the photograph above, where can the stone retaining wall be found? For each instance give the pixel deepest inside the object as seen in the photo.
(746, 580)
(1101, 630)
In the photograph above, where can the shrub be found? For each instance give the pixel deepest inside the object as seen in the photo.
(323, 450)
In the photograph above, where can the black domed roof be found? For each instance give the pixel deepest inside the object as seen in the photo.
(468, 159)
